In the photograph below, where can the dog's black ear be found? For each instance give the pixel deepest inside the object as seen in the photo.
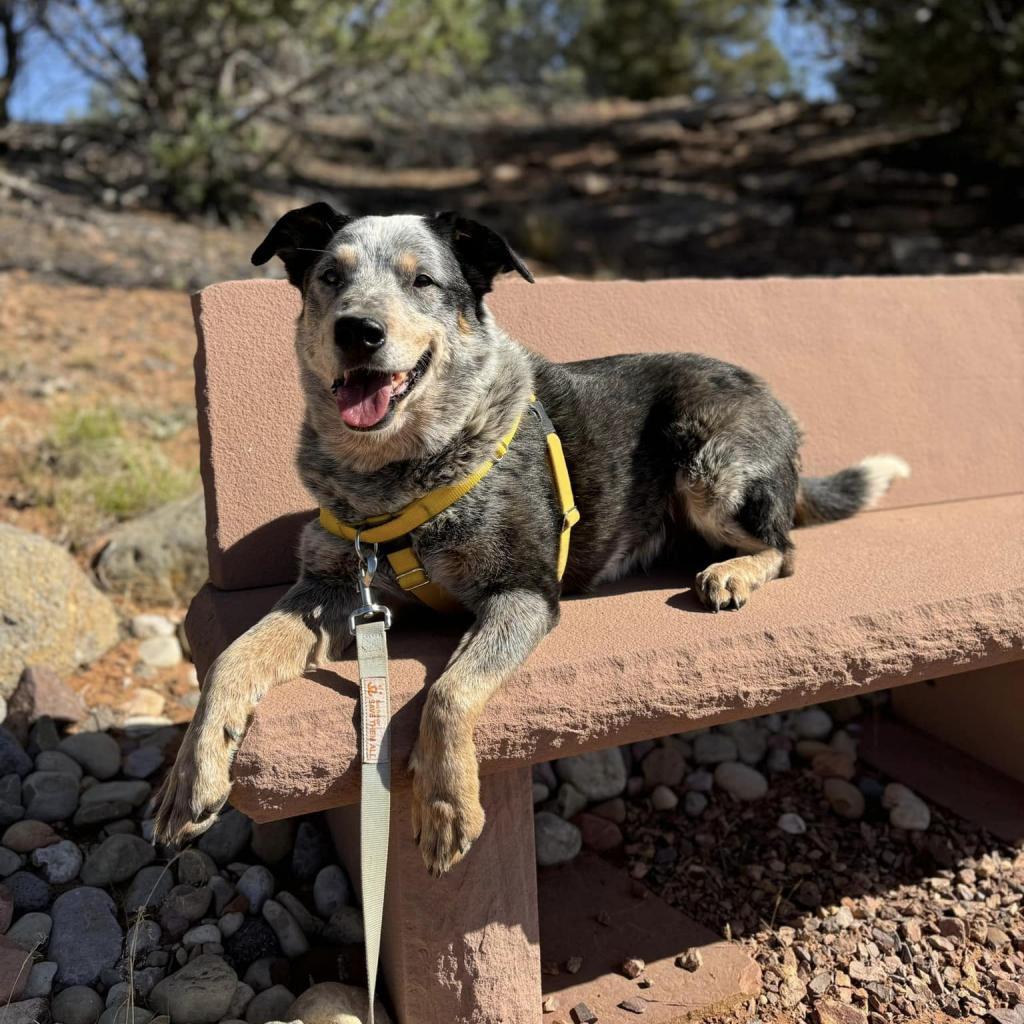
(300, 238)
(481, 252)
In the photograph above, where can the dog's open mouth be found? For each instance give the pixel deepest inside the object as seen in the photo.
(366, 398)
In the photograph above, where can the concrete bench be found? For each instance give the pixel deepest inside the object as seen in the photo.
(929, 586)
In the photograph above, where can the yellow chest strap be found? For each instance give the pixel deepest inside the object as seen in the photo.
(408, 569)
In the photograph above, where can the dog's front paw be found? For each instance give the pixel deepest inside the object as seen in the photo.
(446, 814)
(198, 785)
(722, 586)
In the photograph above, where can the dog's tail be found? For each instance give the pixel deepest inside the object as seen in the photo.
(823, 499)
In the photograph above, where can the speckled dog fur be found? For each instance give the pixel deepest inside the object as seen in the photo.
(660, 448)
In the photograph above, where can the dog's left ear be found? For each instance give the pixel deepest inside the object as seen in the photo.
(300, 238)
(481, 252)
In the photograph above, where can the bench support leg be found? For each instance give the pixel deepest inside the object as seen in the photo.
(464, 948)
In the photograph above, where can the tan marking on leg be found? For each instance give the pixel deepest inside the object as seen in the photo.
(729, 584)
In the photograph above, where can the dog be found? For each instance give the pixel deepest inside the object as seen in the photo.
(409, 385)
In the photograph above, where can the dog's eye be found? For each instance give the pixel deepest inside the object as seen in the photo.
(423, 281)
(331, 277)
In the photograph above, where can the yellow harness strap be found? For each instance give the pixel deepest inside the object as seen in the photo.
(409, 571)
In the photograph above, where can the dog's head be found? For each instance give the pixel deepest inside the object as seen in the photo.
(393, 329)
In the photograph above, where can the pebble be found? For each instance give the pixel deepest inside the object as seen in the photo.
(13, 758)
(312, 851)
(97, 752)
(200, 993)
(557, 841)
(569, 801)
(906, 809)
(663, 799)
(714, 748)
(692, 960)
(142, 762)
(108, 801)
(60, 862)
(272, 840)
(331, 1002)
(77, 913)
(598, 775)
(201, 934)
(230, 923)
(633, 1006)
(195, 867)
(257, 886)
(122, 1013)
(740, 780)
(664, 766)
(633, 967)
(240, 1000)
(31, 931)
(751, 740)
(78, 1004)
(309, 924)
(228, 837)
(540, 793)
(792, 824)
(599, 834)
(26, 836)
(148, 889)
(286, 928)
(55, 761)
(9, 862)
(142, 937)
(28, 1011)
(700, 781)
(6, 908)
(812, 724)
(778, 761)
(149, 625)
(188, 902)
(272, 1004)
(844, 798)
(834, 764)
(695, 803)
(331, 890)
(50, 796)
(223, 892)
(161, 651)
(116, 860)
(614, 810)
(831, 1011)
(40, 980)
(28, 891)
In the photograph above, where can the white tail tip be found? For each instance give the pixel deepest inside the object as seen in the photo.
(879, 473)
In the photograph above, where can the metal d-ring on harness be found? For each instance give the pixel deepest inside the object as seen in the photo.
(369, 624)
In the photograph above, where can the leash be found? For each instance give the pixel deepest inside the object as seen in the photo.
(369, 624)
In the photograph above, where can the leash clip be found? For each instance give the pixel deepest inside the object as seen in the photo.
(369, 610)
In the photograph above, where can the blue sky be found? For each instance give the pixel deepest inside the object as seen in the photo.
(52, 89)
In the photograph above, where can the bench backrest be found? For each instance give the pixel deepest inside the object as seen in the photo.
(929, 368)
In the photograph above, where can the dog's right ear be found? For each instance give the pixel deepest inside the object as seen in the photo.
(300, 238)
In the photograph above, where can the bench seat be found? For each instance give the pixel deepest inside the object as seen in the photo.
(888, 598)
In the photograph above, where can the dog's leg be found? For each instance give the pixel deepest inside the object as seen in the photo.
(279, 647)
(447, 816)
(729, 584)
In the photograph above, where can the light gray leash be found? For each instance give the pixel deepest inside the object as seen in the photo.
(370, 623)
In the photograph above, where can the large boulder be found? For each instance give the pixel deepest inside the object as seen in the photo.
(50, 613)
(160, 556)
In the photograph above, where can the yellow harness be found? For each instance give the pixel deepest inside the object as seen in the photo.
(409, 571)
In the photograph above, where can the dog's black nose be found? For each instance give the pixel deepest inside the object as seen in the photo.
(359, 332)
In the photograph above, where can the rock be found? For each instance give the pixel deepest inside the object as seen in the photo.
(26, 836)
(598, 775)
(144, 707)
(253, 940)
(78, 1004)
(28, 1011)
(42, 692)
(117, 859)
(201, 934)
(345, 927)
(714, 748)
(53, 615)
(50, 796)
(293, 943)
(692, 960)
(599, 834)
(792, 824)
(227, 838)
(122, 1013)
(633, 967)
(272, 841)
(569, 801)
(583, 1014)
(77, 913)
(695, 803)
(614, 810)
(331, 1002)
(13, 759)
(159, 557)
(43, 736)
(196, 868)
(740, 780)
(263, 973)
(142, 937)
(633, 1006)
(97, 752)
(844, 798)
(200, 993)
(55, 761)
(223, 891)
(906, 809)
(28, 891)
(148, 889)
(540, 793)
(230, 923)
(792, 991)
(240, 1000)
(778, 761)
(831, 1011)
(15, 964)
(557, 840)
(751, 740)
(812, 724)
(663, 798)
(331, 890)
(270, 1005)
(31, 931)
(664, 766)
(312, 851)
(142, 762)
(149, 625)
(188, 902)
(9, 863)
(40, 980)
(700, 781)
(160, 652)
(834, 764)
(257, 886)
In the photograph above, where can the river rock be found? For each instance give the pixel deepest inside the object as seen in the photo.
(97, 752)
(28, 891)
(557, 840)
(117, 859)
(53, 615)
(55, 761)
(78, 1004)
(598, 775)
(108, 801)
(200, 993)
(812, 724)
(714, 748)
(40, 980)
(345, 927)
(81, 912)
(664, 766)
(31, 931)
(160, 652)
(331, 890)
(148, 890)
(740, 780)
(142, 762)
(906, 809)
(844, 798)
(269, 1005)
(289, 935)
(257, 886)
(312, 851)
(50, 796)
(149, 624)
(331, 1002)
(28, 835)
(13, 759)
(227, 838)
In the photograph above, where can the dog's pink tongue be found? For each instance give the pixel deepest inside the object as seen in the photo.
(365, 400)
